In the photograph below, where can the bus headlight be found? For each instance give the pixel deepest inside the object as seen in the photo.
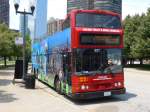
(119, 83)
(116, 84)
(83, 87)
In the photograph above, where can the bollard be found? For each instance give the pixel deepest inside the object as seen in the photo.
(30, 81)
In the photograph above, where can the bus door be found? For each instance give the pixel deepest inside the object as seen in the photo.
(67, 67)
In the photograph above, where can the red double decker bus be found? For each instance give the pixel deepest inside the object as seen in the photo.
(84, 60)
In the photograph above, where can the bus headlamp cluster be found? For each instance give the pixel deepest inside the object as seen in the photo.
(118, 84)
(84, 87)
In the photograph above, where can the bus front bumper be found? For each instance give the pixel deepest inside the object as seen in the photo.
(98, 94)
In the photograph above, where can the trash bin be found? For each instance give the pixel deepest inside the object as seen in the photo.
(18, 74)
(18, 69)
(30, 81)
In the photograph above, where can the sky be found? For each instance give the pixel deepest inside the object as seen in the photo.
(57, 9)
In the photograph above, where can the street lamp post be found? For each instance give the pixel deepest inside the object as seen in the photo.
(24, 13)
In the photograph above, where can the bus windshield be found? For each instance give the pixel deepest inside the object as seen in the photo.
(93, 20)
(98, 61)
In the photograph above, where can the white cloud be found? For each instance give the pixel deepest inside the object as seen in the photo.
(57, 8)
(132, 7)
(14, 19)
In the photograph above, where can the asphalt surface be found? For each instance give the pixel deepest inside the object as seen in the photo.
(15, 98)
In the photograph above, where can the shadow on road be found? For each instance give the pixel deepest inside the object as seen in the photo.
(116, 98)
(126, 96)
(6, 73)
(6, 97)
(10, 67)
(5, 82)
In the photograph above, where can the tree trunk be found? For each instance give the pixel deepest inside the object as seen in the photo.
(132, 61)
(129, 61)
(141, 61)
(5, 59)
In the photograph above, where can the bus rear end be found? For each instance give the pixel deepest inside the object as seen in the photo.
(97, 42)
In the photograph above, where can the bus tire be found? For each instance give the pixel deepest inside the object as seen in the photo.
(35, 73)
(58, 85)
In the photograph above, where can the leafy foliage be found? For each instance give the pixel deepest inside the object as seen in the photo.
(137, 36)
(7, 43)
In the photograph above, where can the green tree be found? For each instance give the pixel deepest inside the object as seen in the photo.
(28, 47)
(137, 36)
(7, 44)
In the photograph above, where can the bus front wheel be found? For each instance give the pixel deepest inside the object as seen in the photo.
(58, 85)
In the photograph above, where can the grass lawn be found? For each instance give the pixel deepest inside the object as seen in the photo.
(9, 64)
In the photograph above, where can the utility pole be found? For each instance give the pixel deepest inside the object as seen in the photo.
(16, 5)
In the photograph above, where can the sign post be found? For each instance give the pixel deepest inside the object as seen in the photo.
(19, 41)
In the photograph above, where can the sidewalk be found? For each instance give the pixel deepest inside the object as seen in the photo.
(136, 70)
(15, 98)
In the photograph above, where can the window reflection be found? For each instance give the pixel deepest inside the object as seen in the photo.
(103, 61)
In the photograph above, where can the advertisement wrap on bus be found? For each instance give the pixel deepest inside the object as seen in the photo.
(84, 60)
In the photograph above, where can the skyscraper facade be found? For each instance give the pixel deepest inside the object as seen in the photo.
(41, 18)
(79, 4)
(38, 22)
(4, 11)
(54, 25)
(111, 5)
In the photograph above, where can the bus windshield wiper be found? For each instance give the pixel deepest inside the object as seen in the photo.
(85, 72)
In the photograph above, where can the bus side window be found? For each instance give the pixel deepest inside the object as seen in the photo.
(66, 63)
(66, 23)
(53, 63)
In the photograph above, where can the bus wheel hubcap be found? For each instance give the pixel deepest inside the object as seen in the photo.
(58, 85)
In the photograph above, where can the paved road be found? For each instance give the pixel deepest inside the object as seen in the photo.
(15, 98)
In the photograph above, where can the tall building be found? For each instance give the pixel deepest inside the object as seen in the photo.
(111, 5)
(38, 23)
(21, 26)
(31, 26)
(78, 4)
(54, 25)
(4, 11)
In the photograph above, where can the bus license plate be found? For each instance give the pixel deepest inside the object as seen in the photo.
(107, 93)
